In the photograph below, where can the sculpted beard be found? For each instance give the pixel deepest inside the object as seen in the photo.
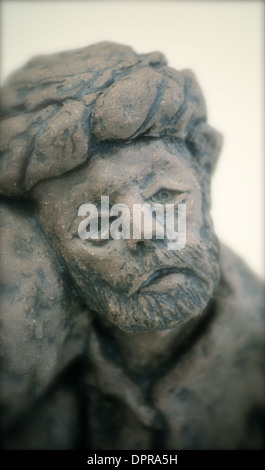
(147, 309)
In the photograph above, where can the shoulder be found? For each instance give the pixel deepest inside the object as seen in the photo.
(39, 316)
(239, 303)
(214, 397)
(244, 284)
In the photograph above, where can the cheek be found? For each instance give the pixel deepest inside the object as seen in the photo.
(194, 216)
(104, 263)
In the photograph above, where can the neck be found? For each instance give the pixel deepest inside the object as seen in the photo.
(148, 352)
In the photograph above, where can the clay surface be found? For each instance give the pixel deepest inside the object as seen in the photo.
(119, 343)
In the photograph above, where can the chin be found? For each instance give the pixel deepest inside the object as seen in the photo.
(155, 307)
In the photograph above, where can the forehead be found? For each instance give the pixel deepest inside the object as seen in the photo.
(140, 164)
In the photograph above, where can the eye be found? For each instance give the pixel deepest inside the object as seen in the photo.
(100, 224)
(103, 233)
(164, 195)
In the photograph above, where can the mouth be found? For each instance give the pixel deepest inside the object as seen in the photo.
(161, 279)
(157, 275)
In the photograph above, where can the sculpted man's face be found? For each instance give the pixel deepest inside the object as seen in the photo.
(138, 285)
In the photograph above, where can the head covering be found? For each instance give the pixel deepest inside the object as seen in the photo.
(57, 106)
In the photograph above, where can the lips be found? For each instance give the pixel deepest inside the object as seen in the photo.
(163, 277)
(157, 275)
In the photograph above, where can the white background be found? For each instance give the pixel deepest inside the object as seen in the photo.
(220, 41)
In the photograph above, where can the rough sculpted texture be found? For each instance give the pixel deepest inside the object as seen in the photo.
(65, 102)
(119, 343)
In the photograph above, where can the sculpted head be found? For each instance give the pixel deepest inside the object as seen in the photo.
(104, 121)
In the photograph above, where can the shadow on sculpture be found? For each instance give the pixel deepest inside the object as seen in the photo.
(119, 343)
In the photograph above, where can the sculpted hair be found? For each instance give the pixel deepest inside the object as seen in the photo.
(57, 107)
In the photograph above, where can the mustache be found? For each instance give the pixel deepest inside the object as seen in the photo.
(193, 260)
(167, 309)
(149, 311)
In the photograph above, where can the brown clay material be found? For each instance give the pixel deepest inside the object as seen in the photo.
(119, 343)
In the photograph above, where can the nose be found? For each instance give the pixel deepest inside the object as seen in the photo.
(143, 230)
(134, 244)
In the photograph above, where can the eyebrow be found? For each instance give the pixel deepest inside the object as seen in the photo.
(149, 181)
(162, 183)
(112, 198)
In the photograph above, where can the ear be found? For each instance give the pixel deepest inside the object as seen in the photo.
(205, 144)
